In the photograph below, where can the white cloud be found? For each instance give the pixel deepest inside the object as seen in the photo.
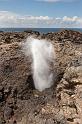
(9, 19)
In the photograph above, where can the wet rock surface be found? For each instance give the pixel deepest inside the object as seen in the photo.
(20, 103)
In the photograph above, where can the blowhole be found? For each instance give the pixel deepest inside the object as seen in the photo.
(30, 82)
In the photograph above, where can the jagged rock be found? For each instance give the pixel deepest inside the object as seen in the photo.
(1, 96)
(8, 112)
(2, 121)
(62, 103)
(1, 88)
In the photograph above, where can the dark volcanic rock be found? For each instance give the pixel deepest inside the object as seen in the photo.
(66, 35)
(32, 32)
(8, 112)
(1, 96)
(19, 102)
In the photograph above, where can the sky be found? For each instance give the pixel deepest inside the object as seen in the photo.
(41, 13)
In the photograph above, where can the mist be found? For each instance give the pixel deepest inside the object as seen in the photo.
(42, 54)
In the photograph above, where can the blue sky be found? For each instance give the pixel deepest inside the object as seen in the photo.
(40, 13)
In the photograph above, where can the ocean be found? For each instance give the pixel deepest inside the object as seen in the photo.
(41, 30)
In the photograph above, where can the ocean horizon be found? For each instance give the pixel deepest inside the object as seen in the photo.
(41, 30)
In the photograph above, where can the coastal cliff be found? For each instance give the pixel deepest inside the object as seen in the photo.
(20, 102)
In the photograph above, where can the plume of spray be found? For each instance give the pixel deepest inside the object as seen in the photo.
(42, 54)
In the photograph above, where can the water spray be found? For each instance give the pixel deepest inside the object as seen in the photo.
(42, 54)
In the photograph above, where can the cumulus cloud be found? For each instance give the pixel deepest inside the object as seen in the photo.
(10, 19)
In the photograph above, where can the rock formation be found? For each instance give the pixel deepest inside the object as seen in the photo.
(20, 103)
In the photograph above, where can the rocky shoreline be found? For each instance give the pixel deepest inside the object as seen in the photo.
(20, 103)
